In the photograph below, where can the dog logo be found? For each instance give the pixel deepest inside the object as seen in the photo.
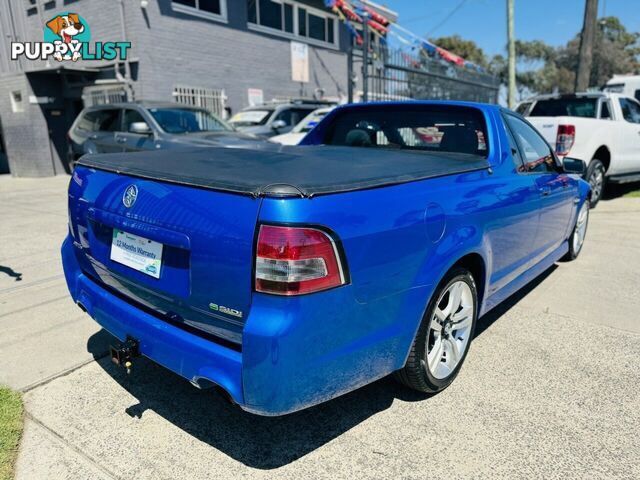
(66, 27)
(67, 36)
(130, 196)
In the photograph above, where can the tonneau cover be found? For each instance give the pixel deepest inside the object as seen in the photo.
(286, 170)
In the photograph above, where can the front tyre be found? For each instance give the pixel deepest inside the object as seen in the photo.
(576, 240)
(444, 335)
(596, 177)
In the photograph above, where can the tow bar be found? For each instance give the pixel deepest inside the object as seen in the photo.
(122, 354)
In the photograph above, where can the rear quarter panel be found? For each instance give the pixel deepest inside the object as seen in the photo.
(398, 243)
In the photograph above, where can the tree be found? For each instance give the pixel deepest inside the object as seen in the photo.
(554, 69)
(587, 42)
(467, 49)
(546, 69)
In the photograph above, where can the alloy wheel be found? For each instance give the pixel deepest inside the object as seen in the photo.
(450, 329)
(581, 227)
(596, 180)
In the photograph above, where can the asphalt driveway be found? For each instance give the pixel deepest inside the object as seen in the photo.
(549, 390)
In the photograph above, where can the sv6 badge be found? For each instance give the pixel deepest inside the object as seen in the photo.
(222, 309)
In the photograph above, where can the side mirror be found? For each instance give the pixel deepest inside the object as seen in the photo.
(278, 124)
(141, 128)
(574, 165)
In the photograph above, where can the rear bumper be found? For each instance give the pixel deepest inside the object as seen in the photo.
(186, 354)
(296, 351)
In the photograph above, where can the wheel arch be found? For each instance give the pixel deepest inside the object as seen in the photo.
(603, 154)
(476, 265)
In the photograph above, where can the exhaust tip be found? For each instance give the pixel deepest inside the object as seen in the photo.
(203, 383)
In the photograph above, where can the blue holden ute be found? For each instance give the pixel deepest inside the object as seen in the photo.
(294, 274)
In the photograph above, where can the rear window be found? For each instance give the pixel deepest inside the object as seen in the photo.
(571, 107)
(430, 128)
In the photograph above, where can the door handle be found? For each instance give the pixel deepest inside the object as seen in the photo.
(121, 140)
(545, 191)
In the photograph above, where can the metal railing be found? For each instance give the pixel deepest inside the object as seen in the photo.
(394, 74)
(211, 99)
(104, 95)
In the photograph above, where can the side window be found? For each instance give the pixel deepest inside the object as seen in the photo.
(285, 116)
(297, 114)
(108, 120)
(630, 110)
(537, 154)
(523, 107)
(131, 116)
(515, 153)
(605, 111)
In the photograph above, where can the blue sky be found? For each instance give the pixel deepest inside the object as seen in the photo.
(484, 21)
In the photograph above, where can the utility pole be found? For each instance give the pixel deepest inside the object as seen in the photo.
(511, 97)
(365, 57)
(587, 39)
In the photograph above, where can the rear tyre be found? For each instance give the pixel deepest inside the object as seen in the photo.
(444, 335)
(576, 240)
(596, 177)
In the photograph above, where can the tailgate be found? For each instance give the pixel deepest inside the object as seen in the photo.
(184, 253)
(548, 127)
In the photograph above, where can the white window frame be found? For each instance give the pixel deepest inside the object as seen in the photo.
(196, 12)
(295, 36)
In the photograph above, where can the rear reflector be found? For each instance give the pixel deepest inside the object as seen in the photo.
(564, 140)
(295, 261)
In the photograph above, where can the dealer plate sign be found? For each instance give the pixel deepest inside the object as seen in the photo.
(136, 252)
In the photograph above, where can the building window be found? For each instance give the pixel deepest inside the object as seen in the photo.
(213, 9)
(294, 21)
(17, 105)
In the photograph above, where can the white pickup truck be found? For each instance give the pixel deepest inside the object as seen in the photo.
(601, 128)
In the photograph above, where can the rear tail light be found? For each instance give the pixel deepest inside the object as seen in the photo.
(295, 261)
(564, 140)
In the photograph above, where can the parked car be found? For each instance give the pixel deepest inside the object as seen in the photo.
(132, 127)
(301, 129)
(294, 276)
(603, 129)
(273, 119)
(627, 85)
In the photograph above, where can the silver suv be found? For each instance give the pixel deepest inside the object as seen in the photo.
(131, 127)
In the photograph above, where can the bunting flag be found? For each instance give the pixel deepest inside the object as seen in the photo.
(354, 11)
(450, 57)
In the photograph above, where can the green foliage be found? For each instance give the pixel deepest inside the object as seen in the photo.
(546, 69)
(10, 430)
(551, 69)
(466, 49)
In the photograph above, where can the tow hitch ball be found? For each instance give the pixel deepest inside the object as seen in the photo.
(122, 354)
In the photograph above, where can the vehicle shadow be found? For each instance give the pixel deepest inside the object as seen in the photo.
(260, 442)
(617, 190)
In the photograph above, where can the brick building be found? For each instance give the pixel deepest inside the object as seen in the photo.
(217, 50)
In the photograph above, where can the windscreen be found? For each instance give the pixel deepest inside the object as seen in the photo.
(187, 120)
(571, 107)
(430, 128)
(250, 118)
(310, 121)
